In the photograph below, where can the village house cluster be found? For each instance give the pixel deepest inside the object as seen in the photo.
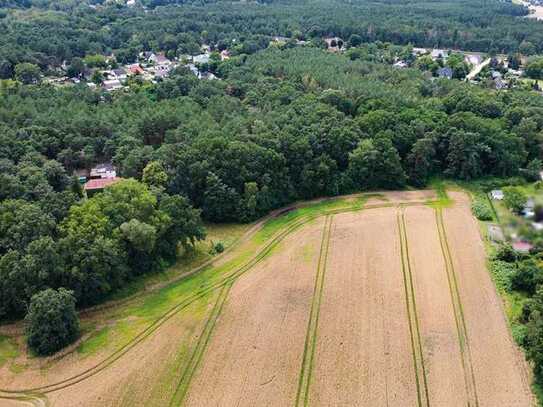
(151, 67)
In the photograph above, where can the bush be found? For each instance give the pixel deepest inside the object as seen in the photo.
(527, 277)
(501, 273)
(506, 253)
(52, 321)
(481, 210)
(219, 247)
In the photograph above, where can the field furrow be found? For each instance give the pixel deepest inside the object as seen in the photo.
(363, 351)
(421, 380)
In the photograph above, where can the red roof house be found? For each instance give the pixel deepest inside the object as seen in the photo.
(97, 185)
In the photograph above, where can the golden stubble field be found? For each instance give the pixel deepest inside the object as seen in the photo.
(385, 305)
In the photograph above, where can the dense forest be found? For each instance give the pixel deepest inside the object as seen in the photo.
(282, 125)
(46, 33)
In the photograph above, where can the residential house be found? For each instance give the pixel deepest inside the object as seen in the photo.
(201, 59)
(120, 74)
(419, 51)
(207, 75)
(94, 186)
(521, 246)
(445, 72)
(135, 69)
(112, 85)
(103, 171)
(159, 59)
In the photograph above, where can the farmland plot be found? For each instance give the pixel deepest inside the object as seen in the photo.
(254, 356)
(390, 305)
(363, 351)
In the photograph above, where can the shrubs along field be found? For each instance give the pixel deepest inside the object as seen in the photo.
(371, 300)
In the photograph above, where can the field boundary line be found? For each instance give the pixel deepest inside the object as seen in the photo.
(411, 305)
(461, 328)
(205, 289)
(201, 345)
(306, 370)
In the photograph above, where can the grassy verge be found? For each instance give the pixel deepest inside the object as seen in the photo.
(8, 350)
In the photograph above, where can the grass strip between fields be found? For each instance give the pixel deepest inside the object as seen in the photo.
(411, 304)
(465, 352)
(304, 381)
(194, 361)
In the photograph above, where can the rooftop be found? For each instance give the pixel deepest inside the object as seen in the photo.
(101, 183)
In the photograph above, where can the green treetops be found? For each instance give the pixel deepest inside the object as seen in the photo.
(52, 321)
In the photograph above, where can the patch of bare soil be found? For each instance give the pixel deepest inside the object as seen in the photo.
(255, 353)
(363, 350)
(439, 335)
(499, 369)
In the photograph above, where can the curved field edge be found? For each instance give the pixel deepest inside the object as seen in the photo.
(157, 308)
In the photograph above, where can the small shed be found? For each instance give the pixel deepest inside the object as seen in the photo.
(495, 233)
(497, 194)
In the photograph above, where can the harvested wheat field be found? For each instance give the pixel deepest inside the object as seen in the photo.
(446, 378)
(340, 305)
(363, 354)
(255, 354)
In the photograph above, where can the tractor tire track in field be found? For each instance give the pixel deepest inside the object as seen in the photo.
(36, 395)
(304, 381)
(166, 316)
(411, 304)
(465, 351)
(194, 361)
